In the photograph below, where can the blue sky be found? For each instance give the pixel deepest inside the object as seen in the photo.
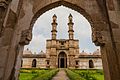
(42, 30)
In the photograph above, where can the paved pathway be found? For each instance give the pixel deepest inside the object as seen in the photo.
(61, 75)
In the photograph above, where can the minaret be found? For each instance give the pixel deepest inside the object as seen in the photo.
(54, 27)
(70, 25)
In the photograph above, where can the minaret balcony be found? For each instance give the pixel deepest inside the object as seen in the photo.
(54, 23)
(71, 31)
(70, 23)
(54, 31)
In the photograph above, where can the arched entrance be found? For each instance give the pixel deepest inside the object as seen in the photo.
(97, 10)
(62, 60)
(91, 64)
(34, 62)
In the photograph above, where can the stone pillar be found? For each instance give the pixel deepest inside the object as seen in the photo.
(5, 44)
(113, 18)
(109, 56)
(110, 64)
(3, 8)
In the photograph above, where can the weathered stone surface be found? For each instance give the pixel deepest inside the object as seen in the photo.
(26, 37)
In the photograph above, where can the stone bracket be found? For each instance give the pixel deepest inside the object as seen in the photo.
(98, 38)
(4, 3)
(26, 37)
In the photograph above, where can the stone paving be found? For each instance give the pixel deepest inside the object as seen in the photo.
(61, 75)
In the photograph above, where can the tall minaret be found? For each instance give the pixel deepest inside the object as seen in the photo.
(70, 25)
(54, 27)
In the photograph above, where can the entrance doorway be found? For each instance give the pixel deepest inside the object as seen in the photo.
(34, 63)
(91, 64)
(62, 60)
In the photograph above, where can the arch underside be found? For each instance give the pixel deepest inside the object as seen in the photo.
(57, 4)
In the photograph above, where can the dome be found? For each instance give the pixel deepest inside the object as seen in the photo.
(97, 52)
(27, 51)
(83, 53)
(41, 52)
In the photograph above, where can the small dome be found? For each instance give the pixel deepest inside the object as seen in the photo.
(97, 52)
(83, 53)
(27, 51)
(41, 52)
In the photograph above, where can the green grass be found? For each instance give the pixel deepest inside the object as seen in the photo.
(90, 74)
(27, 76)
(73, 76)
(47, 76)
(30, 74)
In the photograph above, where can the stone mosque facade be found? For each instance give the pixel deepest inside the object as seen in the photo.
(62, 53)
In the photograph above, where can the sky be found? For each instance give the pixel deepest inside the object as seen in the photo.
(42, 30)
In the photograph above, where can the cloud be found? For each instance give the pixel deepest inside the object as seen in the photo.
(37, 44)
(42, 29)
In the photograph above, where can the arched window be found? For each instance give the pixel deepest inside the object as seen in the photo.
(34, 63)
(76, 62)
(91, 64)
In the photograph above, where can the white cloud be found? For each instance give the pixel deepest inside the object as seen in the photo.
(37, 44)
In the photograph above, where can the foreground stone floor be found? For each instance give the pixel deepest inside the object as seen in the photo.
(61, 75)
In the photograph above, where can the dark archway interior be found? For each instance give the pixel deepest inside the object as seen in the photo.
(91, 64)
(34, 62)
(62, 60)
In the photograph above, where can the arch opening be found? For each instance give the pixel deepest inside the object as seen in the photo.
(91, 64)
(41, 27)
(62, 60)
(34, 62)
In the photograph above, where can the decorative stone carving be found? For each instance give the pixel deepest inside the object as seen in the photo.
(26, 37)
(3, 3)
(98, 38)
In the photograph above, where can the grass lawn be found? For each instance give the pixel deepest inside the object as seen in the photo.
(27, 76)
(30, 74)
(99, 77)
(90, 74)
(37, 74)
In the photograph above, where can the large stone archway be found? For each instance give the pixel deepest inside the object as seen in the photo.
(18, 16)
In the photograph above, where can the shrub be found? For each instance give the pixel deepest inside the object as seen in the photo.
(30, 74)
(100, 72)
(73, 76)
(47, 76)
(87, 75)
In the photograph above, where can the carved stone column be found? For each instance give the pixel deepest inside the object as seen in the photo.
(3, 7)
(109, 56)
(26, 36)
